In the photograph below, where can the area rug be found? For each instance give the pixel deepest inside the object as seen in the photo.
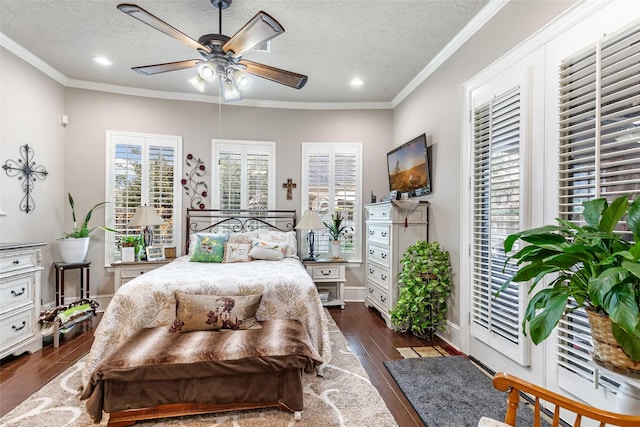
(451, 391)
(343, 397)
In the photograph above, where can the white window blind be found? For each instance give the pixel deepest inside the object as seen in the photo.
(332, 176)
(245, 175)
(599, 156)
(142, 170)
(496, 214)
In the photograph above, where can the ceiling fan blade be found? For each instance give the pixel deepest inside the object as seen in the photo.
(258, 30)
(294, 80)
(169, 66)
(157, 23)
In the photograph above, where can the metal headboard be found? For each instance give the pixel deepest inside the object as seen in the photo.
(237, 221)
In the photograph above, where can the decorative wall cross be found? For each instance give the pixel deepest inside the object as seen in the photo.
(289, 185)
(27, 172)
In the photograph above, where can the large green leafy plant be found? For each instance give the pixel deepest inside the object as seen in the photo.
(335, 227)
(592, 264)
(425, 285)
(83, 230)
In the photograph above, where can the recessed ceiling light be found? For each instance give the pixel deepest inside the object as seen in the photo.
(102, 60)
(356, 82)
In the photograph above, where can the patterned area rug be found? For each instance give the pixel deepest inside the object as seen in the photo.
(343, 397)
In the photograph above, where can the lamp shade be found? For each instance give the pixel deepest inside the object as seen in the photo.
(145, 215)
(310, 221)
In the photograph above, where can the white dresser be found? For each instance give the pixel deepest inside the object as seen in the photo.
(391, 229)
(20, 271)
(125, 271)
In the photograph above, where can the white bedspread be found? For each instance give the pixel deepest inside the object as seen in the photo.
(148, 301)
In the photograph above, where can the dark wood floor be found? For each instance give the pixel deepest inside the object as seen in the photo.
(366, 333)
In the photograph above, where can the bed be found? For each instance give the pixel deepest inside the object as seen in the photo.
(149, 301)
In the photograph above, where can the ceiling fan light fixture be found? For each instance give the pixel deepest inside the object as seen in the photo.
(229, 90)
(240, 78)
(198, 82)
(207, 71)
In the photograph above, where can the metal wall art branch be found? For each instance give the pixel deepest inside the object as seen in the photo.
(196, 188)
(28, 172)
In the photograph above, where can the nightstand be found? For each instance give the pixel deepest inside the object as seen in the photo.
(126, 271)
(329, 277)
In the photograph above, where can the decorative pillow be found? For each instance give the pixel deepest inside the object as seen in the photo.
(287, 238)
(210, 248)
(193, 239)
(246, 237)
(237, 252)
(266, 250)
(197, 312)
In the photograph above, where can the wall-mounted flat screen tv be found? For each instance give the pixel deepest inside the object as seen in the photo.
(408, 167)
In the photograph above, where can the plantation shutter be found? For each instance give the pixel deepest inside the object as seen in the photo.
(496, 187)
(142, 170)
(599, 156)
(332, 175)
(245, 175)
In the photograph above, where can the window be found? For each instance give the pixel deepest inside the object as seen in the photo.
(245, 174)
(142, 169)
(599, 156)
(496, 214)
(332, 184)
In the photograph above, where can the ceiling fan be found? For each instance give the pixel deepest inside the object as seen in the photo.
(221, 55)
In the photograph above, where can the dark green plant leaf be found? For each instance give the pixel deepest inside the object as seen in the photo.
(622, 308)
(593, 211)
(600, 286)
(544, 321)
(630, 343)
(633, 218)
(612, 215)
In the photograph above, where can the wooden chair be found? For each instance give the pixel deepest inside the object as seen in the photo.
(514, 385)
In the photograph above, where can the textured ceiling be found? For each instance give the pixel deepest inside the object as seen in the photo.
(386, 43)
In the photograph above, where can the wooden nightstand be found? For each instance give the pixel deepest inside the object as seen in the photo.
(125, 271)
(329, 277)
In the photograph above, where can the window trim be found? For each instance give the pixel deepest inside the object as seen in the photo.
(109, 212)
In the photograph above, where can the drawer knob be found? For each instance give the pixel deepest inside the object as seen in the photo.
(142, 272)
(383, 256)
(384, 234)
(325, 273)
(16, 261)
(383, 276)
(370, 290)
(17, 328)
(371, 270)
(383, 298)
(371, 233)
(17, 294)
(371, 251)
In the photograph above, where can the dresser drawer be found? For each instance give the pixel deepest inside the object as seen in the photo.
(17, 291)
(380, 275)
(380, 213)
(378, 296)
(379, 233)
(328, 272)
(17, 327)
(17, 260)
(379, 254)
(129, 272)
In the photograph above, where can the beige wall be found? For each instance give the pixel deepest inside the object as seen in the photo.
(30, 106)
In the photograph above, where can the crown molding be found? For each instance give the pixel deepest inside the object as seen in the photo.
(30, 58)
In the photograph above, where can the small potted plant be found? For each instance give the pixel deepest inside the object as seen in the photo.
(130, 248)
(594, 266)
(425, 285)
(74, 246)
(336, 230)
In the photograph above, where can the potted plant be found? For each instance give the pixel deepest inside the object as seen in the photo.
(593, 265)
(336, 230)
(425, 285)
(130, 247)
(74, 246)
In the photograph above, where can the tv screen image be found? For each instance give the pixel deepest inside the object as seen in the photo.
(408, 167)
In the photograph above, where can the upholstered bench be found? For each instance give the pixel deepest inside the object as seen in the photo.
(155, 373)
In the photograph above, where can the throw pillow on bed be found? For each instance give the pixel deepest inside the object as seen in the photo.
(210, 248)
(267, 250)
(285, 238)
(193, 239)
(197, 312)
(236, 252)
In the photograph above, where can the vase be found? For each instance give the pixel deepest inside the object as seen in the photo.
(73, 250)
(128, 254)
(606, 350)
(335, 249)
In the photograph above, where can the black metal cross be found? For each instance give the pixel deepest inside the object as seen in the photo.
(27, 172)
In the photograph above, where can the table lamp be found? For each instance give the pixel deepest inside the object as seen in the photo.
(310, 221)
(146, 216)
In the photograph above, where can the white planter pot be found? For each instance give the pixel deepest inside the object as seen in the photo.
(73, 250)
(335, 249)
(128, 254)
